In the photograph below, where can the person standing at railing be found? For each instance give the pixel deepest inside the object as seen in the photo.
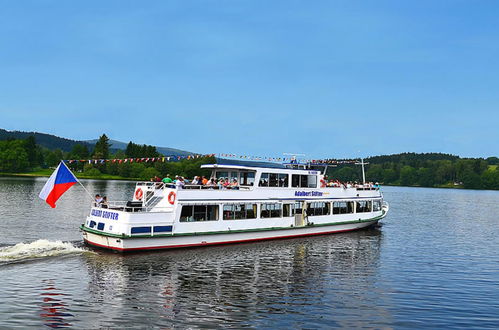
(211, 183)
(204, 180)
(195, 180)
(98, 200)
(179, 183)
(167, 179)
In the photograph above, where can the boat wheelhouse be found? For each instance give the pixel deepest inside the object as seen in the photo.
(269, 202)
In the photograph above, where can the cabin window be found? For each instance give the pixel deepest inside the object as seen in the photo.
(304, 181)
(318, 208)
(234, 176)
(286, 210)
(283, 180)
(377, 205)
(264, 180)
(273, 210)
(199, 213)
(297, 208)
(273, 180)
(363, 206)
(342, 207)
(247, 178)
(221, 175)
(92, 224)
(239, 211)
(289, 210)
(100, 226)
(141, 230)
(162, 229)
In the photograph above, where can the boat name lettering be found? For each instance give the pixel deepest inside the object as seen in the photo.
(104, 214)
(308, 193)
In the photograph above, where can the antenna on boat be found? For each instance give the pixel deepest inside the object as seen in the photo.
(363, 170)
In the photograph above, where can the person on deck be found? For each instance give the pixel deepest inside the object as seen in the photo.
(204, 180)
(98, 200)
(167, 179)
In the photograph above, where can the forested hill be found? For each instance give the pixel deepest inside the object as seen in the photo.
(48, 141)
(425, 170)
(53, 142)
(410, 157)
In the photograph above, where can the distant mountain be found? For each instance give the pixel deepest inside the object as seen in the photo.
(55, 142)
(118, 145)
(46, 140)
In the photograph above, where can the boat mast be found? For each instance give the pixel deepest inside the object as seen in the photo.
(363, 170)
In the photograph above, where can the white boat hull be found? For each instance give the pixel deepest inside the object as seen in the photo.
(184, 241)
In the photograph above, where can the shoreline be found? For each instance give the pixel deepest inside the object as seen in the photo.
(106, 177)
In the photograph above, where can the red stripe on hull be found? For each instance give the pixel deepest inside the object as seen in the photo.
(217, 243)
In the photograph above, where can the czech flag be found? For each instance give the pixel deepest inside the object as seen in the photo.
(59, 182)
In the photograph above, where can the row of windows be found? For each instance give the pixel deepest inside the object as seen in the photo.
(148, 229)
(274, 210)
(244, 178)
(269, 179)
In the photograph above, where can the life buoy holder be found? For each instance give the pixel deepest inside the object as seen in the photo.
(139, 194)
(171, 197)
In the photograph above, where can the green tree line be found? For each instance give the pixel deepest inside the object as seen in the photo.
(24, 155)
(425, 170)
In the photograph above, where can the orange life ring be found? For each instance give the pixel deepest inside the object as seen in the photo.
(171, 197)
(139, 194)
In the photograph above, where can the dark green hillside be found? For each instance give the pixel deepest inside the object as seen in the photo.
(48, 141)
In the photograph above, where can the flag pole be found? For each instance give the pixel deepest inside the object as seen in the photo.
(89, 194)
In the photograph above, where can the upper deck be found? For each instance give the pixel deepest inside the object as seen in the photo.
(252, 183)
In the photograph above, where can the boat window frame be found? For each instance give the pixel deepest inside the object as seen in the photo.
(207, 213)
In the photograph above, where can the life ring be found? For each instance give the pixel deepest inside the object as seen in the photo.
(171, 197)
(139, 194)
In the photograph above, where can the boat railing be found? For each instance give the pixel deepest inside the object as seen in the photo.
(358, 187)
(361, 187)
(213, 187)
(129, 206)
(161, 185)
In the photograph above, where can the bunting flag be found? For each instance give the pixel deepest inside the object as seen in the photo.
(163, 159)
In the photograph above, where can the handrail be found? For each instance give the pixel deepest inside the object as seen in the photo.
(125, 207)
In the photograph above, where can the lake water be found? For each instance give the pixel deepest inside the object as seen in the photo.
(434, 262)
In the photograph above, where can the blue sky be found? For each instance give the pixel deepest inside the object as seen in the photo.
(323, 78)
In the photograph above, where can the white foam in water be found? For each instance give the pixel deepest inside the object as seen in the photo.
(37, 249)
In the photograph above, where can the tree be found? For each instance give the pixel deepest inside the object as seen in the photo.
(101, 150)
(31, 150)
(425, 177)
(79, 151)
(408, 175)
(13, 156)
(54, 157)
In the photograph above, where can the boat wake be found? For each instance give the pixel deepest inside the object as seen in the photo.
(41, 248)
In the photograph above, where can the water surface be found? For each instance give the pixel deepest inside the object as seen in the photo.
(433, 263)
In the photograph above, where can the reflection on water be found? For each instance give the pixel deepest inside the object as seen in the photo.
(241, 285)
(433, 263)
(54, 312)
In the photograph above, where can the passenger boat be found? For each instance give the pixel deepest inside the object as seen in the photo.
(271, 202)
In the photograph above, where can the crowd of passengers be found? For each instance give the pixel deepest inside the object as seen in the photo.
(224, 183)
(349, 184)
(181, 182)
